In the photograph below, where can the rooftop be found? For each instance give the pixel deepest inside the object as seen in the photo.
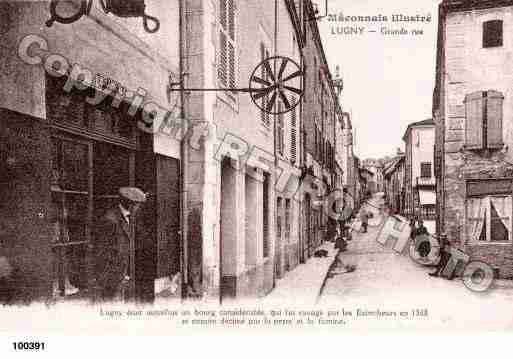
(428, 122)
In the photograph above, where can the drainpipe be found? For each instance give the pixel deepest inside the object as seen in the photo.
(276, 162)
(184, 153)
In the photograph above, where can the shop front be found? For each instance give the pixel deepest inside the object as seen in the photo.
(60, 175)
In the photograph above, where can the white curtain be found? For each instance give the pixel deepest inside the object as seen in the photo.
(503, 207)
(477, 210)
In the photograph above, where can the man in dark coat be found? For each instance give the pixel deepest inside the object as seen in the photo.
(114, 247)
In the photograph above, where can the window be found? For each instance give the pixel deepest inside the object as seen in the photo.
(226, 62)
(484, 113)
(492, 33)
(70, 215)
(489, 219)
(425, 169)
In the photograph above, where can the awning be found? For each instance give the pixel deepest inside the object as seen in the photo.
(427, 197)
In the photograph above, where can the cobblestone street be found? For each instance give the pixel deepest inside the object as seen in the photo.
(388, 281)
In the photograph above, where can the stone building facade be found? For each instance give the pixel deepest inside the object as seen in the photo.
(243, 231)
(394, 184)
(321, 111)
(419, 181)
(471, 104)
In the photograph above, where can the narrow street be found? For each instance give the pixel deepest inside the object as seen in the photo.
(388, 281)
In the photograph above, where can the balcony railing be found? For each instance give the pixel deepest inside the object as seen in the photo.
(426, 181)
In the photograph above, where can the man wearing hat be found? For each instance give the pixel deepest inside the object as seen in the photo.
(115, 247)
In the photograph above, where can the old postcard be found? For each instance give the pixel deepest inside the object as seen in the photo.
(185, 166)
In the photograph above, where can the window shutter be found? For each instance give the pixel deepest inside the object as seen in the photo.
(227, 49)
(474, 109)
(279, 131)
(494, 103)
(231, 43)
(231, 63)
(293, 132)
(262, 75)
(231, 19)
(223, 4)
(223, 59)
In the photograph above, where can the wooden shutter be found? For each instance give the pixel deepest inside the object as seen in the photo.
(474, 110)
(231, 65)
(231, 43)
(223, 10)
(494, 102)
(222, 67)
(264, 115)
(279, 131)
(227, 62)
(293, 132)
(262, 75)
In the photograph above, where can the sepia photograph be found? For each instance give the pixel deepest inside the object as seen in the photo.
(190, 166)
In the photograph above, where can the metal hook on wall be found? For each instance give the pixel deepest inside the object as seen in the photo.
(156, 21)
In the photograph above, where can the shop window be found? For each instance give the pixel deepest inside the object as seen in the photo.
(92, 157)
(489, 219)
(71, 164)
(86, 176)
(484, 116)
(492, 33)
(111, 171)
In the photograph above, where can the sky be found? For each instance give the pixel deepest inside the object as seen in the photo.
(388, 79)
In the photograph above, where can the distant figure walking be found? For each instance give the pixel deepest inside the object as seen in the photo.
(421, 229)
(364, 217)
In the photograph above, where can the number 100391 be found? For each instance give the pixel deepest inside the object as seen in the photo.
(27, 346)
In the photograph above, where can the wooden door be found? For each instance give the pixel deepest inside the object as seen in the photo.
(146, 233)
(168, 217)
